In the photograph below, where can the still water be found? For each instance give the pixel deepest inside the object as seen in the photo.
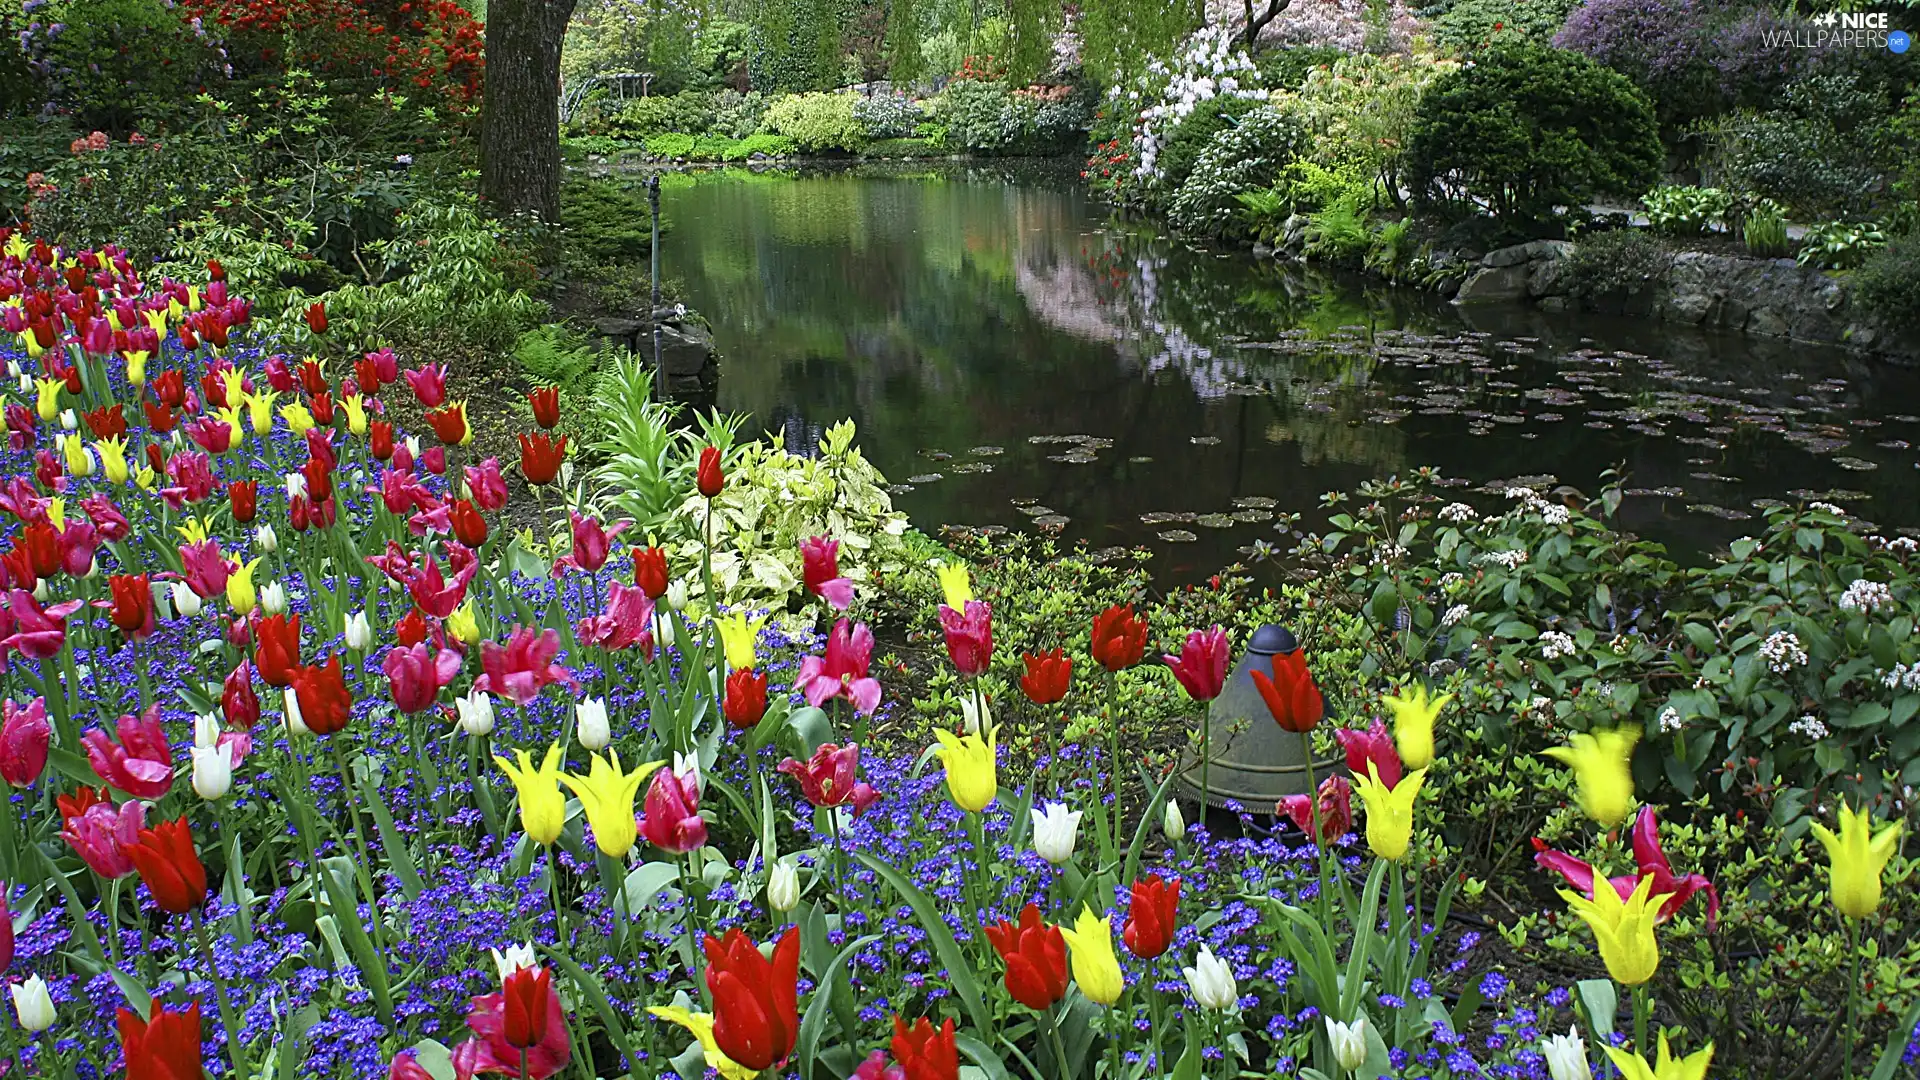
(1016, 358)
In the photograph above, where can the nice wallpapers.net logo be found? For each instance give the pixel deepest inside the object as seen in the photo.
(1844, 30)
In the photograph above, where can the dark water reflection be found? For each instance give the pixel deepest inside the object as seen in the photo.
(953, 310)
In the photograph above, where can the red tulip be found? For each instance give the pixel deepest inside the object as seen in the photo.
(1372, 745)
(1119, 638)
(540, 457)
(755, 1013)
(169, 867)
(106, 422)
(1047, 676)
(429, 384)
(380, 439)
(276, 648)
(165, 1048)
(319, 478)
(313, 379)
(316, 315)
(1336, 809)
(820, 572)
(321, 406)
(244, 495)
(1201, 666)
(415, 675)
(321, 692)
(238, 703)
(831, 777)
(1036, 959)
(450, 423)
(924, 1052)
(469, 525)
(489, 1053)
(160, 417)
(672, 821)
(526, 992)
(650, 571)
(1290, 694)
(709, 478)
(215, 270)
(1151, 916)
(746, 698)
(969, 636)
(411, 630)
(131, 608)
(546, 406)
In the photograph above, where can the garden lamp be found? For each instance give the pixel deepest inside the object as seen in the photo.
(1249, 759)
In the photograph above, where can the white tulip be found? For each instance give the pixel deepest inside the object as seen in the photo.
(359, 634)
(1567, 1056)
(295, 724)
(975, 713)
(273, 598)
(1211, 980)
(590, 724)
(296, 486)
(33, 1005)
(186, 602)
(212, 771)
(1349, 1042)
(687, 767)
(783, 887)
(1055, 829)
(1172, 825)
(206, 730)
(515, 958)
(476, 713)
(677, 595)
(68, 420)
(266, 537)
(41, 592)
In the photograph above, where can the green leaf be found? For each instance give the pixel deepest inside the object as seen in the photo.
(596, 996)
(82, 927)
(645, 881)
(292, 1045)
(815, 1021)
(135, 991)
(353, 935)
(1602, 1002)
(1385, 602)
(394, 844)
(811, 728)
(959, 971)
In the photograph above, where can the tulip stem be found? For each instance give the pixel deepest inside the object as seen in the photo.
(236, 1039)
(1853, 990)
(113, 920)
(1059, 1048)
(1642, 1010)
(1113, 744)
(363, 864)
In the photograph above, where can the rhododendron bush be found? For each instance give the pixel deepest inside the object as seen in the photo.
(432, 47)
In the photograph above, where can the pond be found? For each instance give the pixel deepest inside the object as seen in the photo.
(1016, 358)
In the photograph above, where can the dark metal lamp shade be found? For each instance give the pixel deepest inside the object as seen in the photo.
(1254, 761)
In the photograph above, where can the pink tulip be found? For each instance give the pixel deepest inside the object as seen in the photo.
(1201, 666)
(831, 777)
(78, 542)
(522, 666)
(485, 486)
(820, 572)
(628, 620)
(107, 518)
(102, 834)
(416, 673)
(1336, 809)
(24, 737)
(190, 478)
(36, 632)
(400, 492)
(205, 569)
(429, 384)
(141, 763)
(590, 545)
(843, 671)
(969, 636)
(490, 1052)
(1374, 744)
(435, 593)
(673, 822)
(1651, 862)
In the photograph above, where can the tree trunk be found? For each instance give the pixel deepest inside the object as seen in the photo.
(520, 111)
(1255, 24)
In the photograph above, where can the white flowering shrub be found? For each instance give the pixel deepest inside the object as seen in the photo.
(1210, 66)
(1246, 156)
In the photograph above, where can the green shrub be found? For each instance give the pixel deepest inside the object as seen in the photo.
(989, 117)
(738, 115)
(758, 143)
(1527, 130)
(889, 116)
(554, 355)
(1249, 155)
(1471, 25)
(689, 112)
(1840, 245)
(1286, 68)
(1887, 285)
(1686, 211)
(112, 65)
(1808, 154)
(1359, 112)
(1765, 230)
(673, 144)
(1616, 261)
(817, 122)
(604, 221)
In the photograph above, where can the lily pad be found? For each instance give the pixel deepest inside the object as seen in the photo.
(925, 478)
(1178, 536)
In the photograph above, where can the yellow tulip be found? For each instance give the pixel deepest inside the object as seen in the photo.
(1601, 772)
(462, 624)
(1856, 858)
(174, 310)
(79, 462)
(1634, 1067)
(34, 348)
(48, 402)
(234, 383)
(1413, 716)
(136, 366)
(145, 477)
(299, 420)
(57, 514)
(157, 319)
(606, 794)
(240, 591)
(17, 246)
(193, 298)
(231, 414)
(113, 459)
(955, 583)
(543, 810)
(701, 1024)
(192, 530)
(1389, 811)
(968, 759)
(1090, 943)
(737, 637)
(1622, 928)
(260, 411)
(356, 407)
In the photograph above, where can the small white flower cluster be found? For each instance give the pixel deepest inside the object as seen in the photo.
(1555, 514)
(1509, 559)
(1458, 513)
(1782, 652)
(1518, 492)
(1866, 596)
(1903, 676)
(1670, 721)
(1539, 704)
(1454, 615)
(1388, 553)
(1827, 507)
(1554, 644)
(1451, 580)
(1809, 725)
(1209, 65)
(1899, 545)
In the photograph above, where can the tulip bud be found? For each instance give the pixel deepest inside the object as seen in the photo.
(186, 602)
(975, 713)
(677, 596)
(41, 592)
(413, 446)
(273, 598)
(33, 1005)
(68, 420)
(212, 771)
(1055, 828)
(267, 539)
(206, 730)
(1211, 980)
(476, 713)
(1567, 1056)
(296, 486)
(1172, 825)
(515, 958)
(1349, 1042)
(295, 724)
(463, 626)
(590, 724)
(359, 635)
(783, 887)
